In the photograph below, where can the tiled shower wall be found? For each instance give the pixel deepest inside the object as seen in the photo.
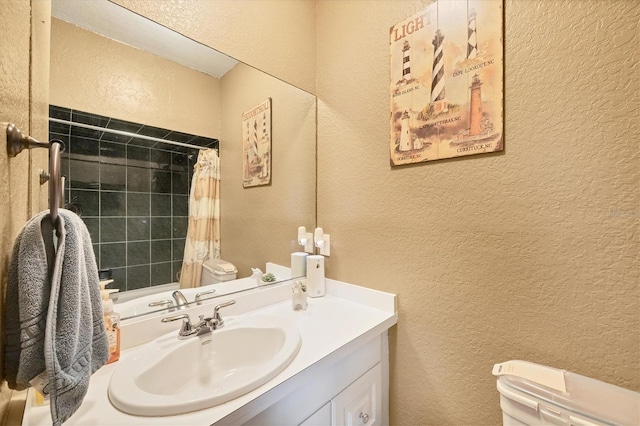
(131, 193)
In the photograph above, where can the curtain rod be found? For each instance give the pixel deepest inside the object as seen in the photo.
(129, 134)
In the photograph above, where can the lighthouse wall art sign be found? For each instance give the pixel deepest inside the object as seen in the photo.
(256, 145)
(447, 82)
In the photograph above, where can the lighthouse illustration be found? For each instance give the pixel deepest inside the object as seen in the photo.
(247, 161)
(438, 102)
(406, 61)
(252, 152)
(264, 151)
(408, 141)
(475, 110)
(254, 142)
(265, 132)
(405, 133)
(406, 67)
(480, 129)
(472, 39)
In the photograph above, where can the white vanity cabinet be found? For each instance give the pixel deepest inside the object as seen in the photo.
(322, 417)
(340, 375)
(351, 391)
(361, 402)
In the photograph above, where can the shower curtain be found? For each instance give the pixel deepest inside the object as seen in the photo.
(203, 234)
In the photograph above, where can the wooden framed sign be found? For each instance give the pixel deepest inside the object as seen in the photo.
(447, 82)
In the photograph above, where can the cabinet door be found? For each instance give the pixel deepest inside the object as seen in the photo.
(322, 417)
(361, 402)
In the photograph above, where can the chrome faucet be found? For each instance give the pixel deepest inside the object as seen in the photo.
(204, 326)
(181, 301)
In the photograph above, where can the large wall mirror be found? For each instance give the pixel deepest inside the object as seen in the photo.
(123, 90)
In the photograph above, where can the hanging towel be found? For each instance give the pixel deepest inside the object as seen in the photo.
(54, 333)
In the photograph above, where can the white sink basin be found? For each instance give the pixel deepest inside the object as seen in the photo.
(170, 376)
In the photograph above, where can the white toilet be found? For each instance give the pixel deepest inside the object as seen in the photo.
(533, 394)
(217, 271)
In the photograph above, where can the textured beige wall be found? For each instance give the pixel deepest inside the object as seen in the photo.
(276, 36)
(530, 254)
(259, 224)
(24, 88)
(99, 75)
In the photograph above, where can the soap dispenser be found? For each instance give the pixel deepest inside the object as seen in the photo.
(111, 321)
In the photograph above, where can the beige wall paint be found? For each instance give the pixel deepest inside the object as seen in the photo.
(530, 254)
(276, 36)
(96, 74)
(257, 222)
(24, 101)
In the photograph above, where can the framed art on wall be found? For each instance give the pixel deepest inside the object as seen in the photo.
(256, 147)
(447, 82)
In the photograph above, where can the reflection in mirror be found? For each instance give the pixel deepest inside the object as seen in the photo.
(120, 99)
(176, 300)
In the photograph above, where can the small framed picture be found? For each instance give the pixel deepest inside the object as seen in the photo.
(256, 145)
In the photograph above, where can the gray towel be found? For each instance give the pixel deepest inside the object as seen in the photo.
(54, 327)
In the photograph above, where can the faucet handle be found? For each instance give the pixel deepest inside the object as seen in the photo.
(199, 295)
(186, 329)
(167, 302)
(217, 321)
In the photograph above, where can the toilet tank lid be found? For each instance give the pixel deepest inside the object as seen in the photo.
(584, 396)
(219, 266)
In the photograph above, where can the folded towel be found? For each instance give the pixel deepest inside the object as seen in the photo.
(54, 327)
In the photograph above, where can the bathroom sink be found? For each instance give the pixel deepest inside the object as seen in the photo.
(170, 376)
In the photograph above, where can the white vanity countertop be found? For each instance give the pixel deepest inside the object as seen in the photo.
(347, 314)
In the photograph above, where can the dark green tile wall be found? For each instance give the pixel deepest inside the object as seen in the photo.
(131, 193)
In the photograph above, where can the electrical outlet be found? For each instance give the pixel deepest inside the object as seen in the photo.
(326, 248)
(308, 247)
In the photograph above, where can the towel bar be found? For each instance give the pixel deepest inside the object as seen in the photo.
(17, 142)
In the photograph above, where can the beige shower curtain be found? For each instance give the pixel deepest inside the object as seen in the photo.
(203, 234)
